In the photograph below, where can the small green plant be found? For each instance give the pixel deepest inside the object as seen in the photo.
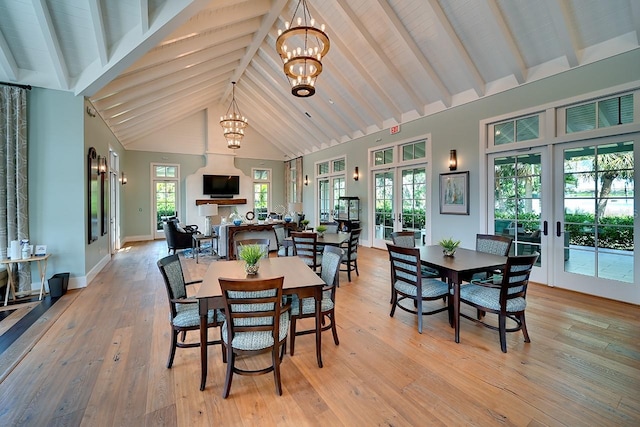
(449, 245)
(251, 254)
(321, 228)
(304, 223)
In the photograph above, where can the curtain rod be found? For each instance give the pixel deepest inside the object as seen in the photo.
(27, 87)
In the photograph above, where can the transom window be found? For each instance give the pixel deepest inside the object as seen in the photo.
(413, 150)
(383, 157)
(517, 130)
(162, 171)
(599, 114)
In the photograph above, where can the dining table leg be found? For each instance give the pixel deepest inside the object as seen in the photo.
(203, 343)
(456, 309)
(318, 296)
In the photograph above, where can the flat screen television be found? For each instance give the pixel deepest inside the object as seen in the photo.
(223, 186)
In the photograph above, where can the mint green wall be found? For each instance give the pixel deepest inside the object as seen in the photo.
(136, 195)
(57, 179)
(458, 128)
(277, 178)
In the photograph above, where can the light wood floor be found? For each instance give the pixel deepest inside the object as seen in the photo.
(102, 363)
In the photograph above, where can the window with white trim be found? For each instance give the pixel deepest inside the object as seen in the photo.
(331, 185)
(261, 192)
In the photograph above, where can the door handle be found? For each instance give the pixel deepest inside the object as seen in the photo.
(558, 229)
(545, 228)
(399, 217)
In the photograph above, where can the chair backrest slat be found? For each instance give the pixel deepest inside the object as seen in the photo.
(515, 279)
(405, 265)
(405, 239)
(306, 247)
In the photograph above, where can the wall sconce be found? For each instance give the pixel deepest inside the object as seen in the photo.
(91, 112)
(453, 160)
(356, 174)
(102, 165)
(306, 180)
(123, 179)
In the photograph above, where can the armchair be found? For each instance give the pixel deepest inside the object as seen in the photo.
(178, 237)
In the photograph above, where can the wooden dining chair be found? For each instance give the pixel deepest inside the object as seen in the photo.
(256, 322)
(307, 307)
(506, 298)
(306, 247)
(408, 284)
(491, 244)
(263, 243)
(281, 233)
(350, 257)
(407, 239)
(183, 311)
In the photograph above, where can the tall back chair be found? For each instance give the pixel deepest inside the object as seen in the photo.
(408, 284)
(350, 257)
(183, 311)
(407, 239)
(263, 243)
(491, 244)
(256, 322)
(306, 247)
(280, 232)
(307, 307)
(507, 298)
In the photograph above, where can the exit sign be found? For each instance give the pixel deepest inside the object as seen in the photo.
(395, 129)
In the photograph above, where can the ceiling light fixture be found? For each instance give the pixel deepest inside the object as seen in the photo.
(302, 46)
(233, 123)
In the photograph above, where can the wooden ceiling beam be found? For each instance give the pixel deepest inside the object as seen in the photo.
(52, 42)
(561, 19)
(519, 68)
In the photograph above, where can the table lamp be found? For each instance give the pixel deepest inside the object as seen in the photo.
(207, 211)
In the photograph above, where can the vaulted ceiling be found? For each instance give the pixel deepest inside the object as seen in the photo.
(149, 64)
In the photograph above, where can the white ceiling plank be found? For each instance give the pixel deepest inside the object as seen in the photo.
(520, 68)
(52, 42)
(133, 46)
(268, 22)
(560, 16)
(193, 45)
(157, 86)
(98, 30)
(291, 118)
(7, 60)
(144, 16)
(213, 19)
(362, 71)
(477, 81)
(218, 56)
(402, 33)
(383, 59)
(274, 83)
(635, 18)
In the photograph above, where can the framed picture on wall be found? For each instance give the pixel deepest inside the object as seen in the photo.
(454, 193)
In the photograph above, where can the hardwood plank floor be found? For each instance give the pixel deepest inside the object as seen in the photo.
(102, 363)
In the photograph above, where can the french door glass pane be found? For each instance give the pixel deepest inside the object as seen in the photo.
(599, 211)
(323, 201)
(414, 199)
(383, 205)
(165, 201)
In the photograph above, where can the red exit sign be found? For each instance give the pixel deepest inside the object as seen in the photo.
(394, 129)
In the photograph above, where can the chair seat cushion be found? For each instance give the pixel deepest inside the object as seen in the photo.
(490, 298)
(282, 251)
(345, 256)
(256, 340)
(309, 304)
(188, 316)
(309, 262)
(431, 288)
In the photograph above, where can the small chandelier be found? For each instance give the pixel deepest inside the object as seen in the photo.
(302, 47)
(233, 123)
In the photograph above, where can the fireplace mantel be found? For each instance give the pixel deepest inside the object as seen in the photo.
(223, 202)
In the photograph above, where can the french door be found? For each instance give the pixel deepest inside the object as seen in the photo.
(521, 200)
(400, 202)
(165, 203)
(594, 227)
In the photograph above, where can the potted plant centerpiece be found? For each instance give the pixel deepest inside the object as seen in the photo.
(251, 255)
(305, 223)
(321, 229)
(449, 246)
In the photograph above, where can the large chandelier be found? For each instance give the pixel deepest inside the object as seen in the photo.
(233, 123)
(302, 46)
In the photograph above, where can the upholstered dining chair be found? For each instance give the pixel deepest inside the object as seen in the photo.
(505, 296)
(183, 311)
(280, 232)
(307, 307)
(305, 246)
(407, 239)
(256, 322)
(491, 244)
(263, 243)
(350, 257)
(408, 284)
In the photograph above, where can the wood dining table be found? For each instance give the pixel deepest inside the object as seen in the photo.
(329, 239)
(463, 264)
(299, 279)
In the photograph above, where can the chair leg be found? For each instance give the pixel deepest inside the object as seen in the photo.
(355, 264)
(349, 270)
(231, 360)
(276, 368)
(292, 333)
(419, 302)
(480, 314)
(523, 325)
(174, 344)
(394, 301)
(333, 327)
(184, 336)
(502, 323)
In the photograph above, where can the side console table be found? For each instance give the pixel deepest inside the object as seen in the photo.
(12, 264)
